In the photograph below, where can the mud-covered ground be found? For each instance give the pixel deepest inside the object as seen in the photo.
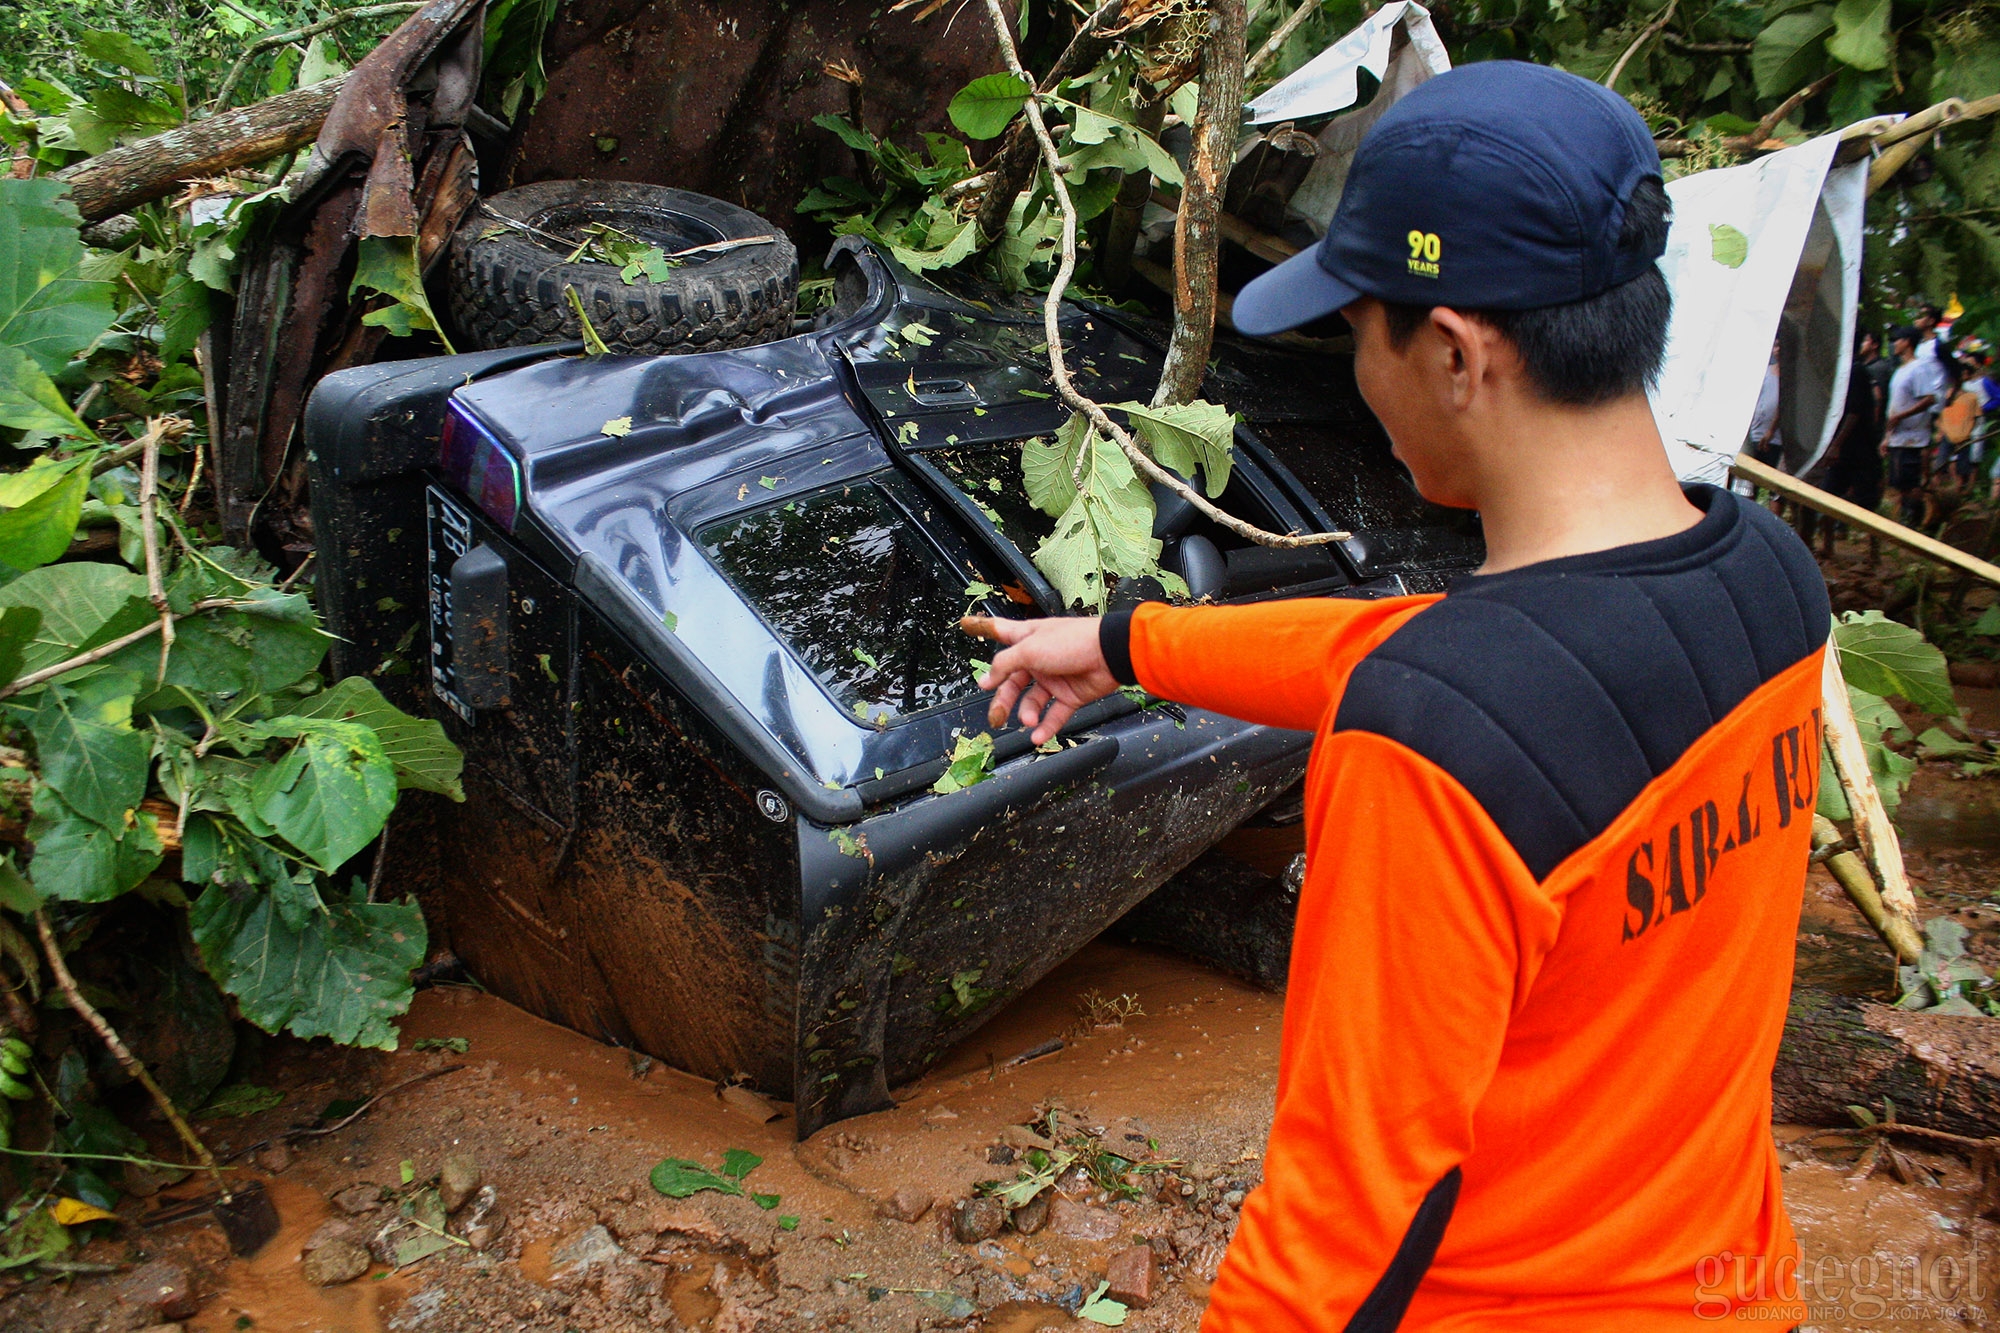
(860, 1235)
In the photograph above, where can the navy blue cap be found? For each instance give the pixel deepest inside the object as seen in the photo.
(1495, 186)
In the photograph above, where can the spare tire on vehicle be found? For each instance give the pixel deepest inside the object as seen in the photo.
(511, 261)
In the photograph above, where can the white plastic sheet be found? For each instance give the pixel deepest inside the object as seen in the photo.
(1329, 81)
(1768, 251)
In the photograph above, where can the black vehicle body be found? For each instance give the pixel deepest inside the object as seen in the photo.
(696, 823)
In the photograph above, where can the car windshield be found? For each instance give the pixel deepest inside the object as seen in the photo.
(858, 593)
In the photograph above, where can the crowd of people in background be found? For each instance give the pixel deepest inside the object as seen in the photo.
(1921, 423)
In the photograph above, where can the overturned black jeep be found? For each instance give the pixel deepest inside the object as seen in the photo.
(693, 620)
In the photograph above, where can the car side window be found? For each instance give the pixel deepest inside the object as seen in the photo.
(856, 590)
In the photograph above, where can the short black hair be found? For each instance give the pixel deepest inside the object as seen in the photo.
(1905, 333)
(1931, 310)
(1600, 348)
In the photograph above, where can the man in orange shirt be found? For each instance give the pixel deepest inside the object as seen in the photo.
(1557, 820)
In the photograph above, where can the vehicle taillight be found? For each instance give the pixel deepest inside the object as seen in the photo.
(484, 472)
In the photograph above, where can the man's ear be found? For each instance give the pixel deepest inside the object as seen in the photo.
(1475, 353)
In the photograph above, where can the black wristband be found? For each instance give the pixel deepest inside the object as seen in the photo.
(1114, 640)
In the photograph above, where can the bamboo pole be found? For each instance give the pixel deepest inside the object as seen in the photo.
(1866, 519)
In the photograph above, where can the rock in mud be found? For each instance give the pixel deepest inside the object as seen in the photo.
(458, 1181)
(1130, 1274)
(274, 1157)
(333, 1263)
(1021, 1138)
(1031, 1216)
(977, 1219)
(905, 1205)
(162, 1290)
(1081, 1222)
(330, 1230)
(588, 1249)
(484, 1223)
(358, 1198)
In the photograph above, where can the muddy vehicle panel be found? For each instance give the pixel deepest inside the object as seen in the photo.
(706, 671)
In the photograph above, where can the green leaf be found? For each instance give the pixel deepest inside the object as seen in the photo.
(1861, 34)
(388, 265)
(79, 860)
(1101, 1309)
(678, 1178)
(345, 975)
(16, 895)
(788, 1222)
(46, 309)
(322, 62)
(88, 750)
(1886, 658)
(983, 108)
(740, 1162)
(971, 764)
(1727, 245)
(1789, 52)
(115, 48)
(1048, 467)
(1186, 437)
(858, 139)
(766, 1201)
(80, 606)
(185, 312)
(1988, 622)
(329, 796)
(423, 756)
(1107, 526)
(31, 402)
(958, 242)
(31, 1239)
(38, 531)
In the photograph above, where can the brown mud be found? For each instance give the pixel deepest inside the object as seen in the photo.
(566, 1130)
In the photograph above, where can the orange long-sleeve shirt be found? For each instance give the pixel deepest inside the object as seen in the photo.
(1557, 827)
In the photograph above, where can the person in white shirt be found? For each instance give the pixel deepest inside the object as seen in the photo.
(1913, 397)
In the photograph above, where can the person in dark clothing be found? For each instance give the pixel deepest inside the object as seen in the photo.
(1856, 473)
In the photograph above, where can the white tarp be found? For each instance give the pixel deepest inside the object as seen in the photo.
(1768, 251)
(1328, 82)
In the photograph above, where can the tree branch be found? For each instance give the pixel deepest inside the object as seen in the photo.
(307, 33)
(1278, 37)
(117, 645)
(1197, 222)
(109, 1035)
(1052, 328)
(1611, 79)
(1014, 164)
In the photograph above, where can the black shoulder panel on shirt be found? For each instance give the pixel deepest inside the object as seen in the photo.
(1555, 693)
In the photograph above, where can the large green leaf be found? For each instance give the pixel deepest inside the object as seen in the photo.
(30, 402)
(388, 265)
(329, 796)
(1789, 52)
(1106, 529)
(38, 530)
(984, 107)
(264, 647)
(1886, 658)
(115, 48)
(422, 754)
(1048, 467)
(46, 309)
(81, 860)
(81, 605)
(88, 750)
(1860, 33)
(345, 974)
(1186, 437)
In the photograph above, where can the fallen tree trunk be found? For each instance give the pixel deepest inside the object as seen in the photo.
(123, 178)
(1941, 1070)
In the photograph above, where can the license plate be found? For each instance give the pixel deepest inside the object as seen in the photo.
(449, 526)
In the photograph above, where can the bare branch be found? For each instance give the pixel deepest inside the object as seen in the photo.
(1052, 328)
(307, 33)
(1276, 41)
(1666, 15)
(109, 1036)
